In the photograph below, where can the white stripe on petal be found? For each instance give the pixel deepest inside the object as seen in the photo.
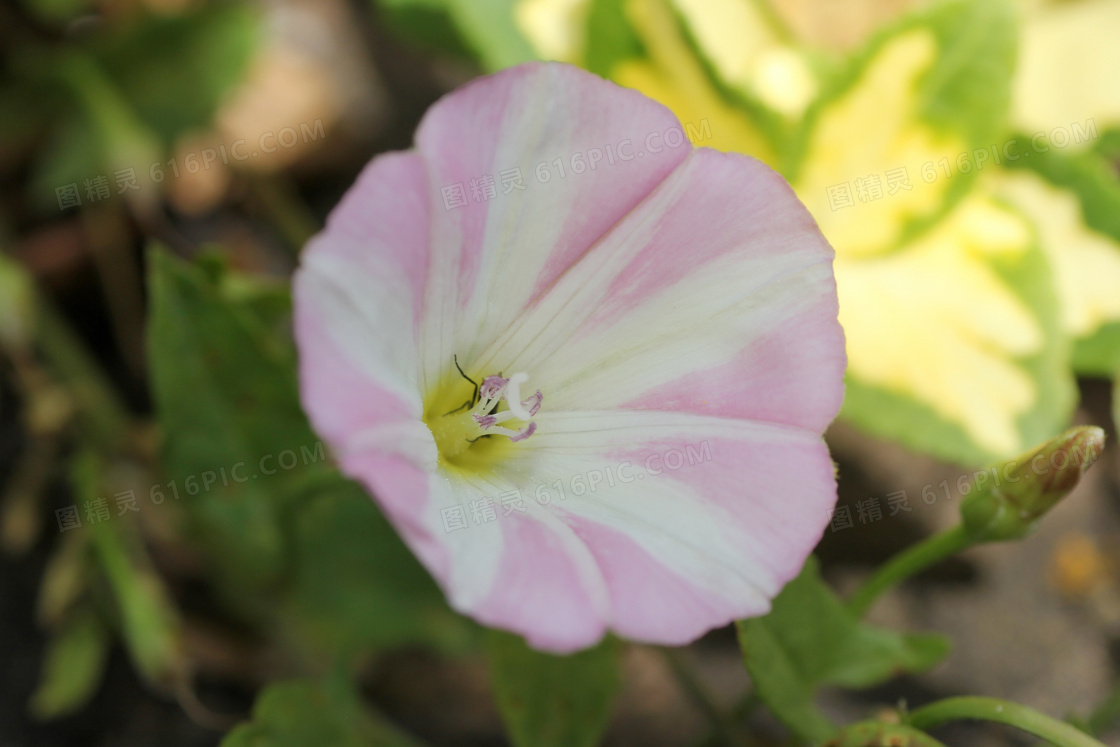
(493, 256)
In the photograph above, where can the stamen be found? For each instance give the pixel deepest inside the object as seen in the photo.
(520, 435)
(487, 421)
(524, 433)
(533, 404)
(492, 387)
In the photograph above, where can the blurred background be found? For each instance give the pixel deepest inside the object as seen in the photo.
(162, 162)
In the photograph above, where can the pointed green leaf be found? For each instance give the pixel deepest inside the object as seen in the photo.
(175, 71)
(1083, 238)
(810, 640)
(1091, 175)
(300, 713)
(283, 529)
(646, 45)
(553, 700)
(487, 28)
(925, 95)
(888, 167)
(72, 666)
(225, 395)
(146, 616)
(356, 586)
(967, 382)
(610, 38)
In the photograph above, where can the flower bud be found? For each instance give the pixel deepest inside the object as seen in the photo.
(1030, 485)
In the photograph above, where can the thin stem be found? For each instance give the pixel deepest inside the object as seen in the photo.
(1001, 712)
(906, 564)
(282, 206)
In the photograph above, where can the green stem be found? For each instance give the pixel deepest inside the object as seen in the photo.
(1001, 712)
(906, 564)
(281, 205)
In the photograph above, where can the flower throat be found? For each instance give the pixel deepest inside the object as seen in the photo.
(467, 432)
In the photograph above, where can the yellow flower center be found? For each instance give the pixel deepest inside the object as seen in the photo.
(476, 420)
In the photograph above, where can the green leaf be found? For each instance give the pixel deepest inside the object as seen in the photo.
(940, 278)
(1108, 145)
(1091, 177)
(149, 622)
(72, 667)
(302, 540)
(425, 23)
(122, 97)
(740, 45)
(925, 95)
(71, 155)
(911, 340)
(485, 27)
(226, 397)
(553, 700)
(1099, 355)
(99, 134)
(1074, 202)
(646, 45)
(176, 70)
(300, 713)
(610, 38)
(356, 586)
(1089, 174)
(1116, 402)
(146, 616)
(810, 640)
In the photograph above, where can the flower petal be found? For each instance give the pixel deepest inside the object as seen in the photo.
(522, 570)
(685, 295)
(714, 296)
(658, 526)
(704, 524)
(493, 256)
(357, 299)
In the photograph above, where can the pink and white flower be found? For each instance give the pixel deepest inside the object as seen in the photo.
(589, 399)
